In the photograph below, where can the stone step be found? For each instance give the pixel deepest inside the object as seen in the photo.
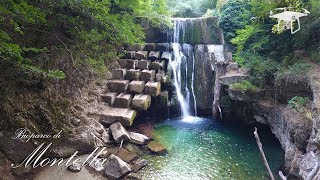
(161, 77)
(136, 87)
(123, 100)
(109, 98)
(127, 63)
(123, 115)
(119, 86)
(152, 88)
(143, 64)
(157, 65)
(133, 74)
(148, 75)
(118, 73)
(154, 55)
(141, 102)
(141, 55)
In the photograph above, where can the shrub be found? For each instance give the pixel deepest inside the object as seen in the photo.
(244, 86)
(297, 101)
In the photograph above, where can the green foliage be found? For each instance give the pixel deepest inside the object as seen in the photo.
(190, 8)
(233, 17)
(297, 101)
(244, 86)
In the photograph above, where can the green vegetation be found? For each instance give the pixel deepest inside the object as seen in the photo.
(297, 101)
(50, 49)
(260, 47)
(244, 86)
(191, 8)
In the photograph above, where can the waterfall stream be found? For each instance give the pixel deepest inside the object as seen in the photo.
(183, 57)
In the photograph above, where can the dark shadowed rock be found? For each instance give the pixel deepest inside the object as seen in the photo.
(163, 47)
(166, 56)
(129, 55)
(150, 47)
(134, 47)
(154, 55)
(157, 65)
(123, 154)
(118, 73)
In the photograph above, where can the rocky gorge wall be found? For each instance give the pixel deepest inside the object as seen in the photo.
(297, 132)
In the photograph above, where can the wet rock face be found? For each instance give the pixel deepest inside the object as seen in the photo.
(204, 78)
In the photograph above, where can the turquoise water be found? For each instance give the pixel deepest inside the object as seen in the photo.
(201, 148)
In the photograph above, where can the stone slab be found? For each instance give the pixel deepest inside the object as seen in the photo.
(148, 75)
(119, 86)
(136, 87)
(109, 98)
(118, 73)
(152, 88)
(133, 74)
(123, 101)
(143, 64)
(141, 102)
(124, 115)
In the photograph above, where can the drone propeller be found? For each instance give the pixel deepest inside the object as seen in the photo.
(270, 13)
(305, 11)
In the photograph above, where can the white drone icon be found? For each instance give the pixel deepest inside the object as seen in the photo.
(288, 17)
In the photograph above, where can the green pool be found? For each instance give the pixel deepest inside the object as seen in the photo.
(201, 148)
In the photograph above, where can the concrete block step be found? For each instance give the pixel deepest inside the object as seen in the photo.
(136, 87)
(109, 98)
(141, 102)
(148, 75)
(119, 86)
(150, 47)
(123, 100)
(141, 55)
(133, 74)
(143, 64)
(152, 88)
(129, 55)
(123, 115)
(118, 73)
(127, 63)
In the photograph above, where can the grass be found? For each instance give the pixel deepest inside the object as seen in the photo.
(245, 86)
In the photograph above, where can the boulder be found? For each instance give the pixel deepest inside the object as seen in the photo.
(156, 147)
(148, 75)
(163, 47)
(123, 100)
(133, 74)
(137, 87)
(118, 73)
(157, 65)
(116, 168)
(109, 98)
(119, 86)
(123, 154)
(119, 133)
(154, 55)
(75, 167)
(141, 55)
(141, 102)
(152, 88)
(138, 138)
(134, 47)
(166, 56)
(111, 115)
(150, 47)
(143, 64)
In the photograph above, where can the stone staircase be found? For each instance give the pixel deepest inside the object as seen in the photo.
(136, 82)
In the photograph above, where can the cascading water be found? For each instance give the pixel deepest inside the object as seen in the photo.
(183, 56)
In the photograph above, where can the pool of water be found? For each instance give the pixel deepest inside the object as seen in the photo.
(201, 148)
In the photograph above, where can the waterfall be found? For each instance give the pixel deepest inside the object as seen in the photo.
(183, 57)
